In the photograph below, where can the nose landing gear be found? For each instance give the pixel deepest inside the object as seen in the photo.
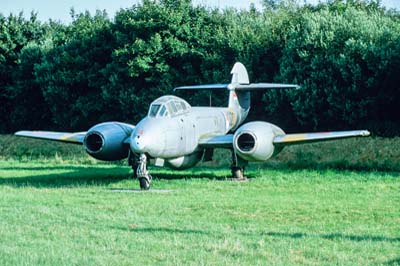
(139, 166)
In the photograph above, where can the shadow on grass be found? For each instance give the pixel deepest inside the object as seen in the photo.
(54, 176)
(45, 168)
(200, 174)
(334, 236)
(74, 175)
(395, 262)
(323, 166)
(67, 176)
(168, 230)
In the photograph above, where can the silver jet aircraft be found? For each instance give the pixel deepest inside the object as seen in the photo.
(177, 135)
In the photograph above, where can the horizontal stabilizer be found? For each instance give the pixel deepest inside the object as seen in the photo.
(264, 86)
(240, 87)
(76, 138)
(203, 87)
(290, 139)
(240, 82)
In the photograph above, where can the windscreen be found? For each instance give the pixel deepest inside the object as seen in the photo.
(154, 110)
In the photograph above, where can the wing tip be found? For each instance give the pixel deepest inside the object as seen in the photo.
(365, 133)
(20, 133)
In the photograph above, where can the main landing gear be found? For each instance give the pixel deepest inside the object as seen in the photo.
(139, 166)
(237, 167)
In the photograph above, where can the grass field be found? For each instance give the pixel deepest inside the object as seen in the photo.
(56, 213)
(60, 207)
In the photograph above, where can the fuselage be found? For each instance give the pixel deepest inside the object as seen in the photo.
(170, 137)
(178, 133)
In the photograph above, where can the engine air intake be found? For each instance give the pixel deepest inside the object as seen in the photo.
(94, 142)
(246, 142)
(254, 141)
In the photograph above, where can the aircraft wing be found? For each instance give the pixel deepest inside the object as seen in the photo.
(290, 139)
(224, 141)
(76, 138)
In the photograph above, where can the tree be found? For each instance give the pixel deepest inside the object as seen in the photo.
(70, 73)
(19, 51)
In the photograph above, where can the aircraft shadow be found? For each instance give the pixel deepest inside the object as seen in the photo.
(89, 175)
(44, 168)
(72, 177)
(201, 174)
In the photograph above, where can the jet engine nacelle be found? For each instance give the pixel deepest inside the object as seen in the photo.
(253, 141)
(185, 162)
(105, 141)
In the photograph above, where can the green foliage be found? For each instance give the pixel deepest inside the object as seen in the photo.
(343, 62)
(21, 99)
(344, 54)
(70, 73)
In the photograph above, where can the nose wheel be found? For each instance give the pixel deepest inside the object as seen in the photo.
(145, 183)
(142, 173)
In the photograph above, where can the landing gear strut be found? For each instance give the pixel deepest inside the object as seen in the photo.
(237, 167)
(141, 172)
(133, 161)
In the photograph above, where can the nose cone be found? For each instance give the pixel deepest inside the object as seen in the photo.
(139, 143)
(148, 138)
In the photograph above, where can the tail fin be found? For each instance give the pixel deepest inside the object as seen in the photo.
(239, 101)
(239, 74)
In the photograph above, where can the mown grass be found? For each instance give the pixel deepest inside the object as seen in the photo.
(69, 214)
(59, 207)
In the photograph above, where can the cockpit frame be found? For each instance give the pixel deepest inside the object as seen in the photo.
(168, 106)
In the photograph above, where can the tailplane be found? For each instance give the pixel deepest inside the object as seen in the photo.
(240, 82)
(239, 90)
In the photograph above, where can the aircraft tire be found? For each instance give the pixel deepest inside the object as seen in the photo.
(144, 183)
(238, 173)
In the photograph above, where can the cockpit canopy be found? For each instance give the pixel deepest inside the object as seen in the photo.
(168, 106)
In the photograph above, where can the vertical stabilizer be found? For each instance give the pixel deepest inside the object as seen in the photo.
(239, 74)
(239, 101)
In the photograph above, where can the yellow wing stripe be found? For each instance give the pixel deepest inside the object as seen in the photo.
(295, 137)
(76, 138)
(318, 136)
(71, 137)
